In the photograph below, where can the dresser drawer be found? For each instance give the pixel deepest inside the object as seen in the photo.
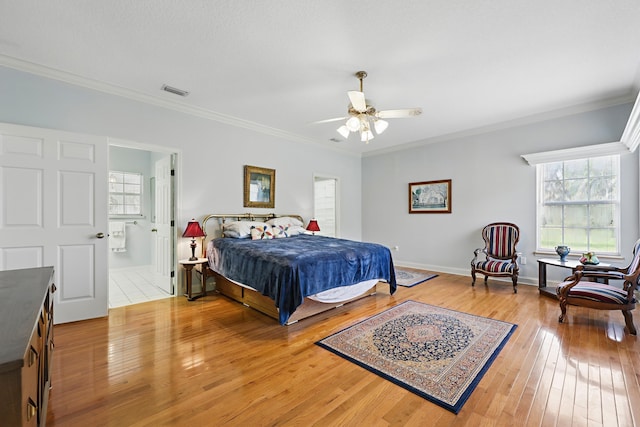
(31, 372)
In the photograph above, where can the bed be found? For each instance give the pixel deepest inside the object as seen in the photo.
(287, 274)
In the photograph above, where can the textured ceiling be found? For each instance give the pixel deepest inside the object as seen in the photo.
(278, 66)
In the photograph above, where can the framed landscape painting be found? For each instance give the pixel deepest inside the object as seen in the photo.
(259, 187)
(430, 196)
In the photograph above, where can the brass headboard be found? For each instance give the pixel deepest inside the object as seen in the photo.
(222, 218)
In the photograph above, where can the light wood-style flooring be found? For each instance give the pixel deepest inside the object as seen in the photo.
(214, 362)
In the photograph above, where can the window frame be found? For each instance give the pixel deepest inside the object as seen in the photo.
(616, 202)
(124, 194)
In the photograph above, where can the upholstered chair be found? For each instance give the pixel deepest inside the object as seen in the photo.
(581, 289)
(499, 256)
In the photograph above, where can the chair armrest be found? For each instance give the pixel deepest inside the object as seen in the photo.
(574, 279)
(476, 253)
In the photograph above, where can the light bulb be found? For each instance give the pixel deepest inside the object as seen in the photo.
(353, 124)
(344, 131)
(366, 136)
(380, 126)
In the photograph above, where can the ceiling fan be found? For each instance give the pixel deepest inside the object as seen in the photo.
(364, 118)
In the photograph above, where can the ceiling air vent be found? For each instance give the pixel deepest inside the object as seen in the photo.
(174, 90)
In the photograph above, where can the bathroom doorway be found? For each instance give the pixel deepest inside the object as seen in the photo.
(140, 269)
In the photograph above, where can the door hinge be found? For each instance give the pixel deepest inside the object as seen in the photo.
(173, 223)
(173, 172)
(173, 273)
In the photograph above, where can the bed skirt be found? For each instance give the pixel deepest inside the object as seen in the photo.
(253, 299)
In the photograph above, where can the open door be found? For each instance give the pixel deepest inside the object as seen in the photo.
(163, 228)
(53, 212)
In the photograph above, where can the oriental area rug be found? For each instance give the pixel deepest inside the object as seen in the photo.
(408, 278)
(436, 353)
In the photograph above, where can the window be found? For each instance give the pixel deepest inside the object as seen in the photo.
(579, 204)
(125, 193)
(325, 199)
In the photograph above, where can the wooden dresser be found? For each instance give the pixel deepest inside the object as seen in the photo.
(26, 345)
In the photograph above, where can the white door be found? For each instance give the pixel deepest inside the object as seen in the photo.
(53, 212)
(163, 229)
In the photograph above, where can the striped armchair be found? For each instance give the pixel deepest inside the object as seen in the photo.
(500, 255)
(580, 289)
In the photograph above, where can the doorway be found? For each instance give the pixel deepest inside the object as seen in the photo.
(141, 202)
(325, 204)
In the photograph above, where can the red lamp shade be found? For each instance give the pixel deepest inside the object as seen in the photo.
(193, 230)
(313, 226)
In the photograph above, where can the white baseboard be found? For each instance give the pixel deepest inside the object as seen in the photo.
(533, 281)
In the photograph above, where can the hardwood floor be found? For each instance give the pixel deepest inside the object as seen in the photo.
(215, 362)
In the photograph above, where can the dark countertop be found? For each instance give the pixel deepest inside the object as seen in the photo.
(22, 294)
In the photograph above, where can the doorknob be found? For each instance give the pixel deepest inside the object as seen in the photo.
(100, 235)
(154, 230)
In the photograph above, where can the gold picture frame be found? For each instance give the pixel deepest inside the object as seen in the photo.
(430, 196)
(259, 187)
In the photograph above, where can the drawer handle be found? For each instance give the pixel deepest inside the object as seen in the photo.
(32, 409)
(33, 356)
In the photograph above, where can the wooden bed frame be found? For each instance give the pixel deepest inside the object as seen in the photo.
(252, 298)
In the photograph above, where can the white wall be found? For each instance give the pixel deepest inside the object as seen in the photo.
(491, 182)
(211, 154)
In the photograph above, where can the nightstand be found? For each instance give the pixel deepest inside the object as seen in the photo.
(188, 267)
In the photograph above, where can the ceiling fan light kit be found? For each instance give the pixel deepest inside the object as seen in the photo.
(380, 125)
(361, 115)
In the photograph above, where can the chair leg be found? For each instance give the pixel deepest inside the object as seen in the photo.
(563, 309)
(515, 284)
(628, 320)
(473, 277)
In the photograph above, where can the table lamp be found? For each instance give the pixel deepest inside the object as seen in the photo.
(313, 226)
(193, 230)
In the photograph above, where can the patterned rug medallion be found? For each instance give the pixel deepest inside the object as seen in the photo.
(437, 353)
(408, 278)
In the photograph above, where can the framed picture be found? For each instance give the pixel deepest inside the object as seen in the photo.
(430, 196)
(259, 187)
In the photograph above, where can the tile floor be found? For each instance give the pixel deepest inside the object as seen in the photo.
(133, 285)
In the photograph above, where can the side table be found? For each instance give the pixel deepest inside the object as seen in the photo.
(188, 271)
(550, 291)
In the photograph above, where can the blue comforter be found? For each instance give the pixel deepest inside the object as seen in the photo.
(287, 270)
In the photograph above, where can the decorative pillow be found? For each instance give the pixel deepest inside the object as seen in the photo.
(240, 229)
(285, 220)
(262, 232)
(280, 231)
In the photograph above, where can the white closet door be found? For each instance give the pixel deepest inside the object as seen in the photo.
(53, 212)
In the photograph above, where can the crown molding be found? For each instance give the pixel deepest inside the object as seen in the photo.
(631, 135)
(508, 124)
(76, 80)
(575, 153)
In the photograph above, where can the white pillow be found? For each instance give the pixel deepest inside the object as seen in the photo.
(240, 229)
(294, 230)
(262, 232)
(285, 220)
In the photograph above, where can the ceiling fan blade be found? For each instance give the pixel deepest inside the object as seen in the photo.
(357, 100)
(396, 114)
(329, 120)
